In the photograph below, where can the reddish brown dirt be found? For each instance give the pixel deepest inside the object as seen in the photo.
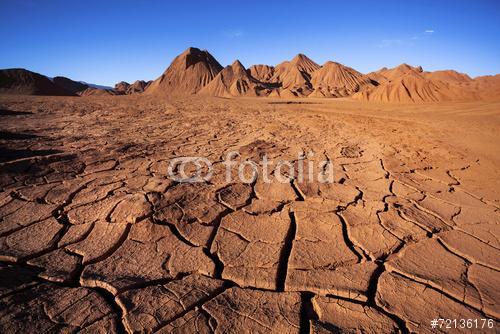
(95, 237)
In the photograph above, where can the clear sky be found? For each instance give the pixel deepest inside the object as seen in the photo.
(106, 41)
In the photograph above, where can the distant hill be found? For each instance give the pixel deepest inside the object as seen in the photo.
(121, 87)
(124, 88)
(96, 86)
(91, 91)
(72, 86)
(138, 86)
(21, 81)
(408, 84)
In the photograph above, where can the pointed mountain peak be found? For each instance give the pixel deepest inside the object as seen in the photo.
(122, 87)
(396, 72)
(193, 53)
(193, 56)
(336, 80)
(238, 69)
(233, 80)
(237, 65)
(192, 50)
(406, 67)
(187, 74)
(331, 63)
(304, 63)
(122, 84)
(300, 58)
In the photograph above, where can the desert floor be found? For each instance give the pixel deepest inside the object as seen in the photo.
(96, 237)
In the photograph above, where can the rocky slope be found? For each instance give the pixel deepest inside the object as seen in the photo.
(294, 77)
(138, 86)
(122, 87)
(263, 73)
(407, 84)
(336, 80)
(234, 80)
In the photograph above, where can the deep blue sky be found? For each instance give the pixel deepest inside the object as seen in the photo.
(107, 41)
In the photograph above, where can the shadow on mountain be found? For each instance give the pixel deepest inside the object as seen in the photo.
(5, 112)
(6, 135)
(292, 102)
(7, 154)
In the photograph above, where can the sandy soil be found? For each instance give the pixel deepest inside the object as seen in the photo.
(95, 237)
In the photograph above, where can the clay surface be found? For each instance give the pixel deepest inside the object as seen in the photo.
(96, 237)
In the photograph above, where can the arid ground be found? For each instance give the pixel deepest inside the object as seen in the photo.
(95, 237)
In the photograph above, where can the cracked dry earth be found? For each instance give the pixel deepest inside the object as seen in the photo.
(95, 238)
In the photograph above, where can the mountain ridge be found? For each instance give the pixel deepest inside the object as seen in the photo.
(196, 71)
